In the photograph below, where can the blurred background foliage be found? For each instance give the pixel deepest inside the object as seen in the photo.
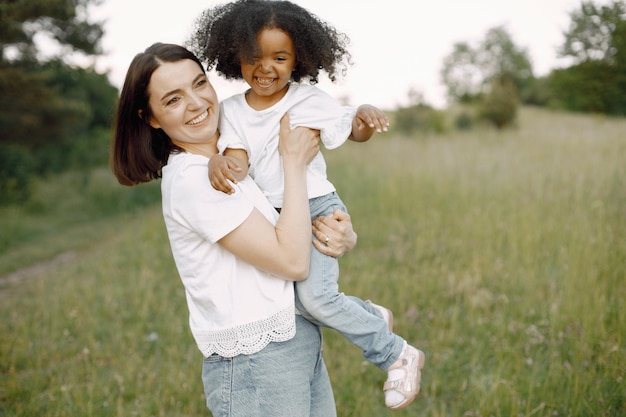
(55, 114)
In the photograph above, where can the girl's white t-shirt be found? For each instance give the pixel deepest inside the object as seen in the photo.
(257, 131)
(234, 308)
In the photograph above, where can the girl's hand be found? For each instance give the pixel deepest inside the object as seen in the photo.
(221, 170)
(368, 116)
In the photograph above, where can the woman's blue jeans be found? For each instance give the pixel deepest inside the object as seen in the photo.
(285, 379)
(319, 300)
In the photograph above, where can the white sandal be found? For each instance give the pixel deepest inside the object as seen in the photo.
(411, 362)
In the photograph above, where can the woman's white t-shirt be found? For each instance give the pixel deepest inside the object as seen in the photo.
(234, 308)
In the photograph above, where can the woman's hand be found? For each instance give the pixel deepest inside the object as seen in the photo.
(299, 143)
(334, 234)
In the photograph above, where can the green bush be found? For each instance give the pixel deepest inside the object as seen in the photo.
(16, 172)
(499, 106)
(591, 87)
(419, 118)
(464, 121)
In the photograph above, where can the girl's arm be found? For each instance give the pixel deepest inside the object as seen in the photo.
(368, 119)
(283, 249)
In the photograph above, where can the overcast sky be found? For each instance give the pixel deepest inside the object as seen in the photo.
(396, 45)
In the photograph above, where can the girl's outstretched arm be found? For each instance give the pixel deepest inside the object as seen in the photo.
(368, 119)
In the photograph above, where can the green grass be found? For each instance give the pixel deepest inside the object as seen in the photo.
(503, 256)
(71, 211)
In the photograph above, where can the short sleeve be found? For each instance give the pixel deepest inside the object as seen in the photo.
(198, 206)
(229, 138)
(317, 109)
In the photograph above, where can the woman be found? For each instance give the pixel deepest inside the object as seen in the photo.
(236, 256)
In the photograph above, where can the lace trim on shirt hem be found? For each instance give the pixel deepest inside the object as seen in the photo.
(248, 338)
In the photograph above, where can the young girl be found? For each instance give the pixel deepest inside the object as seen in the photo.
(273, 45)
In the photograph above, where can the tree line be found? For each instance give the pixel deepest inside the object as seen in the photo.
(56, 116)
(492, 78)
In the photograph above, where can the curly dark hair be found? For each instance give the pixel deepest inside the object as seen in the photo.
(227, 34)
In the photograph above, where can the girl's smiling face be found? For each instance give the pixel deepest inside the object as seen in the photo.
(268, 75)
(183, 102)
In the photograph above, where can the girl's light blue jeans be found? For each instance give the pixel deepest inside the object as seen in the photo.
(319, 300)
(285, 379)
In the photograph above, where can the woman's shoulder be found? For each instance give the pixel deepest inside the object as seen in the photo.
(182, 160)
(188, 167)
(188, 194)
(189, 173)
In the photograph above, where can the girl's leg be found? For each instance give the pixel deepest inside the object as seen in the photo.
(362, 323)
(358, 321)
(319, 299)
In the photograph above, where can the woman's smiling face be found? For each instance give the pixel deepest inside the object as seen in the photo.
(183, 102)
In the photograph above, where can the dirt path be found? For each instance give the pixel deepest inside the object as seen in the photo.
(36, 271)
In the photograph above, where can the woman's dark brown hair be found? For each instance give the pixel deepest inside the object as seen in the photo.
(139, 151)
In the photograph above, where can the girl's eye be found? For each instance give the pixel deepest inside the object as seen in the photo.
(201, 82)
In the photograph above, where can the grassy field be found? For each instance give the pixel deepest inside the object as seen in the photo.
(502, 255)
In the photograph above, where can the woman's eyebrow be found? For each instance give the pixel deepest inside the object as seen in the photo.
(177, 90)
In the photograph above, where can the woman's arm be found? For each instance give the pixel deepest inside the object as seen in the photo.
(283, 249)
(334, 235)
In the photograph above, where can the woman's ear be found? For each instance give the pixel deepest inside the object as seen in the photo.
(151, 122)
